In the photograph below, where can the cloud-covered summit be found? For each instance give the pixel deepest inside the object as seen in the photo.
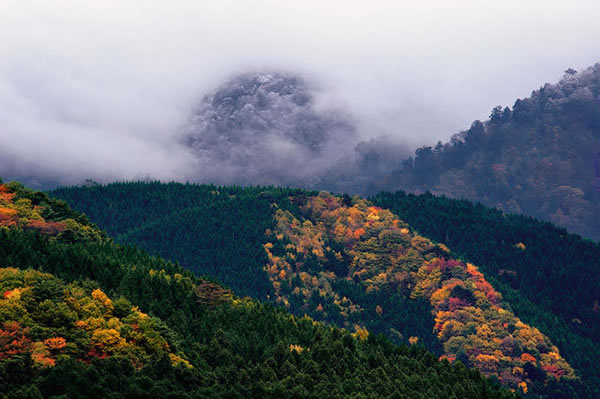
(267, 128)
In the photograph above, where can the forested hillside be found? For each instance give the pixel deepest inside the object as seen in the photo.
(374, 273)
(335, 242)
(541, 270)
(83, 316)
(225, 224)
(541, 157)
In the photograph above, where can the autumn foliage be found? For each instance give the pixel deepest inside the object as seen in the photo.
(471, 321)
(13, 340)
(25, 209)
(71, 320)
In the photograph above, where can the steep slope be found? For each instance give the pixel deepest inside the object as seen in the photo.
(541, 158)
(312, 265)
(64, 335)
(541, 270)
(536, 259)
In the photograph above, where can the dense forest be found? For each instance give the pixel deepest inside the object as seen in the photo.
(541, 157)
(309, 267)
(83, 316)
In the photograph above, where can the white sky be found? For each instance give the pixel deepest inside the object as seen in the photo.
(98, 89)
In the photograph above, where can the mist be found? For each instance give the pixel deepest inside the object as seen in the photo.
(103, 90)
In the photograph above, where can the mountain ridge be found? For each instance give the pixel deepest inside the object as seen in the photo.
(570, 339)
(539, 157)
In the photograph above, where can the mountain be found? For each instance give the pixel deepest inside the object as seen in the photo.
(266, 128)
(368, 266)
(82, 316)
(277, 128)
(541, 157)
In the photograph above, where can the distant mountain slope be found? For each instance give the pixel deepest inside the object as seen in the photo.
(541, 158)
(369, 299)
(77, 333)
(276, 128)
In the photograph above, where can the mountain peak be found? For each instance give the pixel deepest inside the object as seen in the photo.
(258, 116)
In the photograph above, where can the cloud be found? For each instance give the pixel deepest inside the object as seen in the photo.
(267, 128)
(101, 90)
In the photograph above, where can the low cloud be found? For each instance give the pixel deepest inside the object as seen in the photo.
(267, 128)
(104, 90)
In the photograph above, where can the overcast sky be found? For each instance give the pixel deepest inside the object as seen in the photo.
(99, 89)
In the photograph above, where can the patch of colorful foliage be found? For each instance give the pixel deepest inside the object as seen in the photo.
(303, 246)
(23, 208)
(44, 318)
(381, 251)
